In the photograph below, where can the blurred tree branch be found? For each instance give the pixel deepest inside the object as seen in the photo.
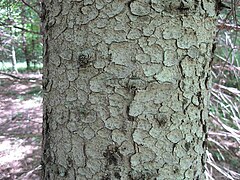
(27, 4)
(17, 27)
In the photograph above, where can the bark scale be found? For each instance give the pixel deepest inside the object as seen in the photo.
(126, 88)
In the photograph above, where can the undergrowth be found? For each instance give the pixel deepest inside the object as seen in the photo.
(223, 155)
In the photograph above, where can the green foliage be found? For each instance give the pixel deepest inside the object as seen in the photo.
(21, 66)
(20, 27)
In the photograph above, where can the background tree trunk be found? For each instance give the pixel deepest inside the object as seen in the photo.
(13, 55)
(125, 89)
(14, 60)
(24, 38)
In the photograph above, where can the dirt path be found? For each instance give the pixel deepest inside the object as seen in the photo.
(20, 127)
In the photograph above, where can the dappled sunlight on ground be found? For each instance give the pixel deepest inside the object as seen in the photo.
(18, 156)
(13, 149)
(20, 127)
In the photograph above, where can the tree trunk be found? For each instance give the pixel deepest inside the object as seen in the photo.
(13, 55)
(14, 60)
(24, 38)
(126, 89)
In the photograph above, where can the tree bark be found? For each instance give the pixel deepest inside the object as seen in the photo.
(126, 88)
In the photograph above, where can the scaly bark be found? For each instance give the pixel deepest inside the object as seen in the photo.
(126, 88)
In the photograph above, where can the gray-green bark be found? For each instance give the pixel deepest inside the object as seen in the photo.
(126, 88)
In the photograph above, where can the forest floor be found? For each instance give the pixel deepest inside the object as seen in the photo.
(20, 126)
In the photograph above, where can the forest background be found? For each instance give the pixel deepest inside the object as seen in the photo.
(21, 98)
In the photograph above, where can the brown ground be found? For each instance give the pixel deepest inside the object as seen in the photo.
(20, 127)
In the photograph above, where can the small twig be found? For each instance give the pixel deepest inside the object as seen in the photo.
(27, 175)
(24, 2)
(17, 27)
(19, 78)
(6, 74)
